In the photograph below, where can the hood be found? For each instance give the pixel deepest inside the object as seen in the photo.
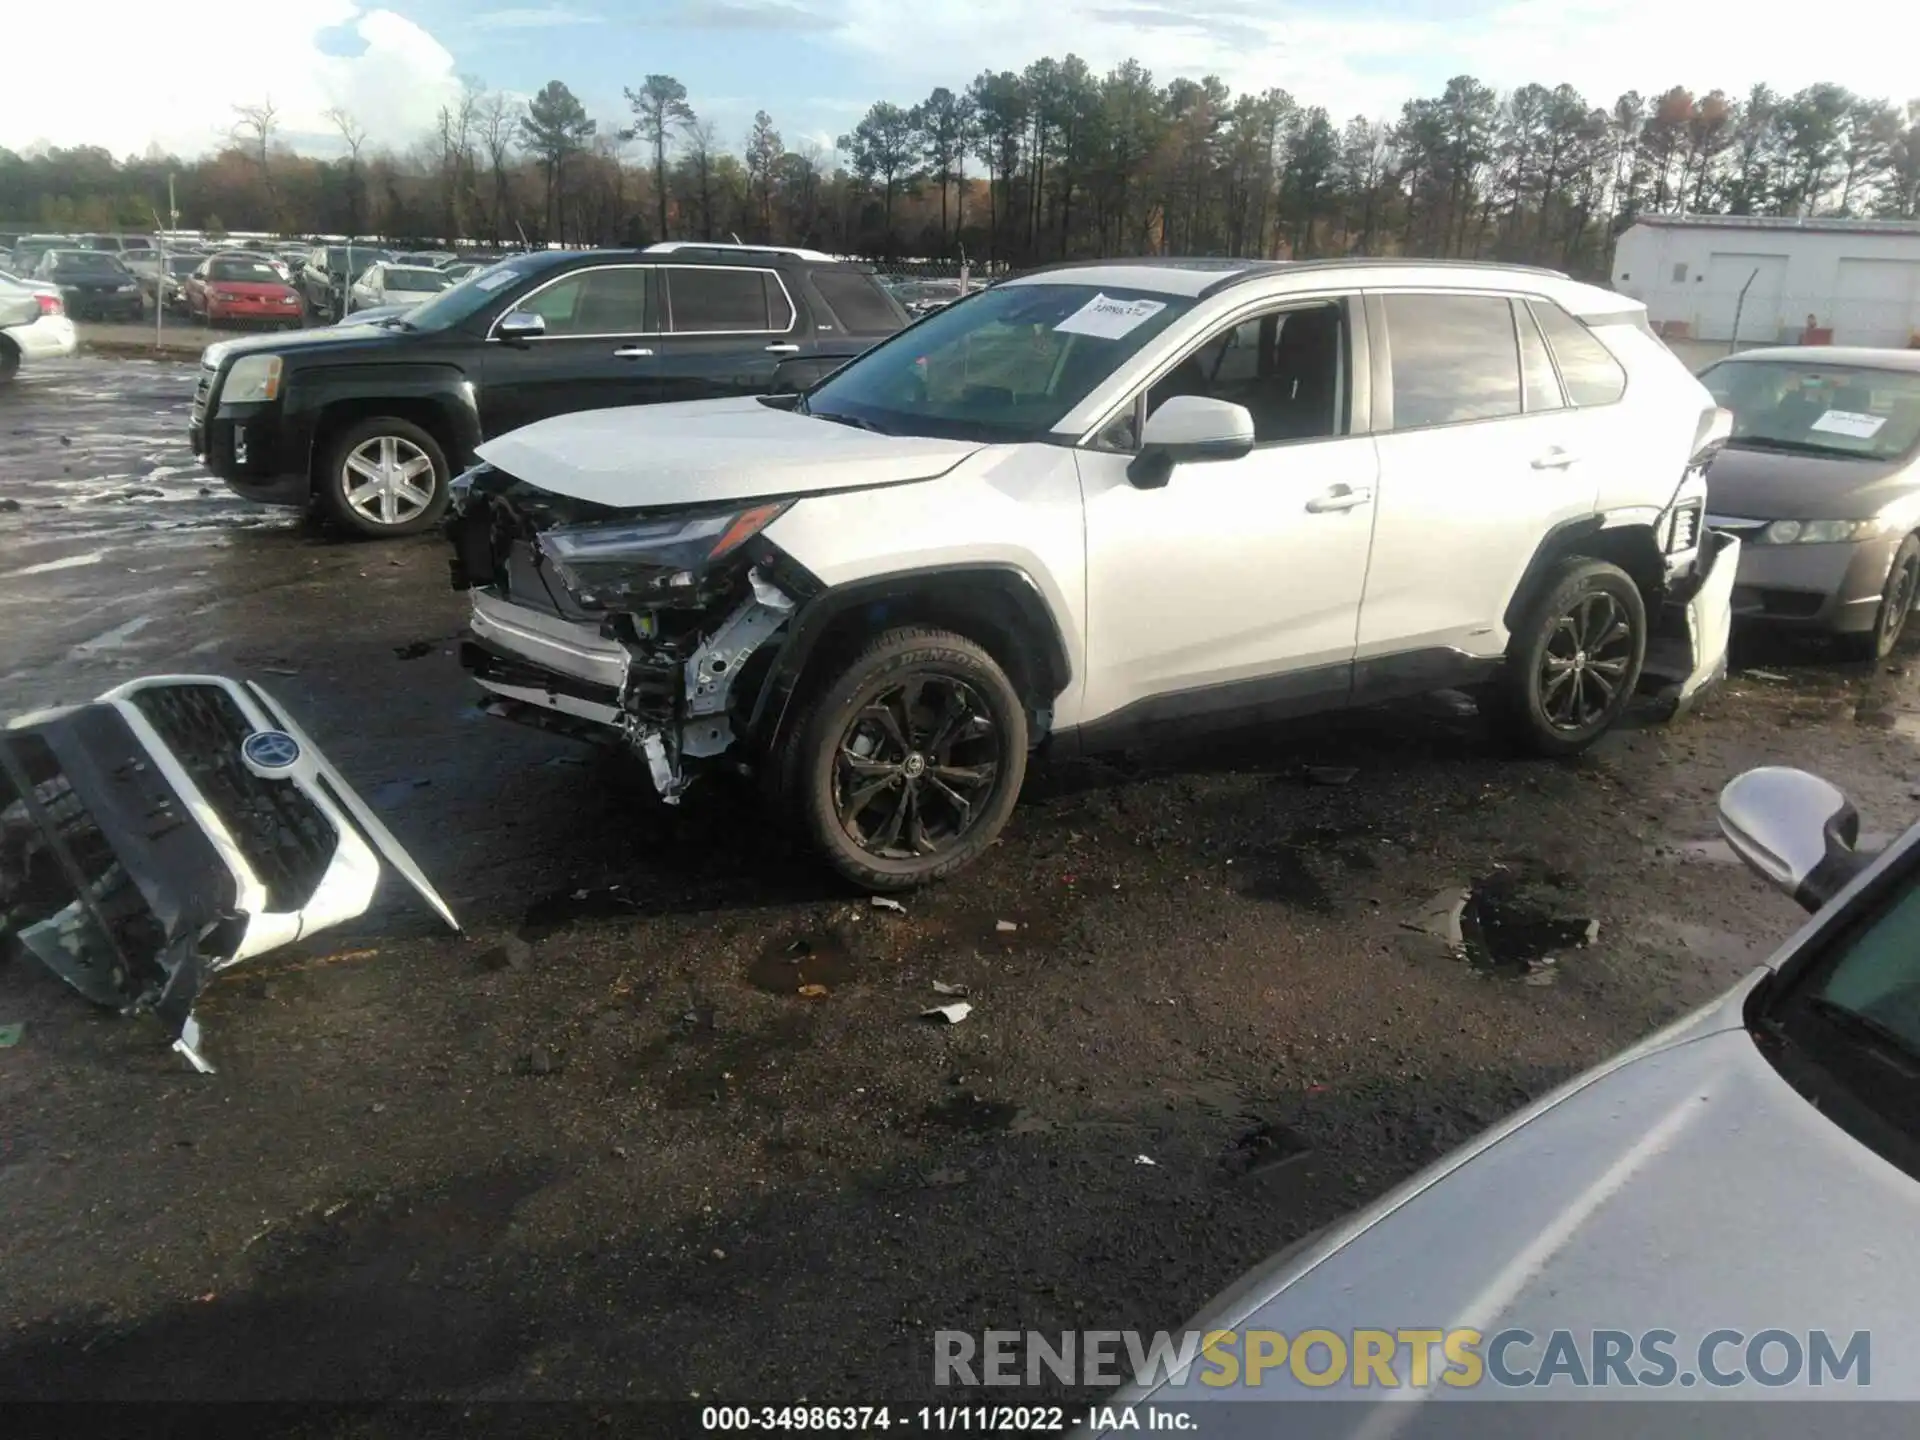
(1685, 1187)
(345, 337)
(252, 289)
(704, 450)
(1767, 485)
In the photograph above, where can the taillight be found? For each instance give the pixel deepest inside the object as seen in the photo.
(51, 304)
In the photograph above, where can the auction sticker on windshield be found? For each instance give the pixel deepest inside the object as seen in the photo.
(1108, 319)
(1850, 423)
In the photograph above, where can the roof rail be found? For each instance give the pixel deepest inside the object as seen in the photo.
(676, 247)
(1240, 271)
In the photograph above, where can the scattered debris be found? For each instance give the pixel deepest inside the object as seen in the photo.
(1145, 1160)
(1774, 676)
(813, 992)
(944, 1178)
(277, 670)
(413, 650)
(1006, 927)
(10, 1034)
(718, 1253)
(951, 1014)
(8, 507)
(941, 987)
(1441, 915)
(1028, 1123)
(1329, 774)
(882, 902)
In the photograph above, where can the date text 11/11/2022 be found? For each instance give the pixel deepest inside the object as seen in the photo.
(944, 1419)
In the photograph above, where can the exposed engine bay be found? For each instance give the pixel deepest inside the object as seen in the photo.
(649, 628)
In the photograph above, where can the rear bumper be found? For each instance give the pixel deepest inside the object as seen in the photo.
(105, 307)
(49, 338)
(172, 828)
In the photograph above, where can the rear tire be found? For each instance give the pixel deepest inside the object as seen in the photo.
(1896, 605)
(384, 477)
(907, 763)
(9, 360)
(1574, 659)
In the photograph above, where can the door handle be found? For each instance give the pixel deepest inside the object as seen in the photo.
(632, 352)
(1556, 459)
(1340, 497)
(783, 349)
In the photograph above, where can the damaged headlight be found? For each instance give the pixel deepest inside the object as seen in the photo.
(646, 561)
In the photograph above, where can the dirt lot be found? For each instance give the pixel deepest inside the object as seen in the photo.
(632, 1160)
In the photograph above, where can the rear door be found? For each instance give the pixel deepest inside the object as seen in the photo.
(600, 349)
(729, 328)
(1479, 460)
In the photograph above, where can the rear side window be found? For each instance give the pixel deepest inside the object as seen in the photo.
(1592, 375)
(1454, 359)
(717, 299)
(1536, 365)
(857, 302)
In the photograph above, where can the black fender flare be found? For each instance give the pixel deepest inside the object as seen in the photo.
(313, 395)
(1577, 537)
(816, 615)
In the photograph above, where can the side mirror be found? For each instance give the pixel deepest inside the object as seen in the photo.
(1187, 429)
(520, 325)
(1797, 831)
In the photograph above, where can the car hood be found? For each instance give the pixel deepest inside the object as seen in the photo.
(346, 337)
(1767, 485)
(706, 450)
(252, 289)
(1684, 1186)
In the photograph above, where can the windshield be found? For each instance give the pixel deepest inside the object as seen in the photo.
(183, 264)
(423, 280)
(88, 262)
(1819, 408)
(463, 301)
(258, 271)
(1004, 365)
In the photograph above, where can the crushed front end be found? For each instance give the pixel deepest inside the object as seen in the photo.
(648, 628)
(176, 826)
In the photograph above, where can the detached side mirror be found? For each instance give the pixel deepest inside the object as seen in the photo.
(1188, 429)
(1795, 830)
(519, 326)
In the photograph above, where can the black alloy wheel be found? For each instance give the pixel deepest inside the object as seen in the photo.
(915, 767)
(1586, 661)
(1896, 602)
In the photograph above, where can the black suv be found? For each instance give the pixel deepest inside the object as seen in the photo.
(368, 422)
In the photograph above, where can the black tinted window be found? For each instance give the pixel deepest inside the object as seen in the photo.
(1592, 375)
(717, 299)
(1454, 359)
(857, 302)
(1536, 366)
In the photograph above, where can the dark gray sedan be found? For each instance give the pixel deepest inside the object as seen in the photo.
(1821, 482)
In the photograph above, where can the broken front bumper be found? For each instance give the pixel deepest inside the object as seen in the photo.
(174, 827)
(1689, 651)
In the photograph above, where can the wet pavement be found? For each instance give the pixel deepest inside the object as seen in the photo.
(671, 1106)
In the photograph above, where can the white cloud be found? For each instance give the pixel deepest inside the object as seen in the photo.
(151, 80)
(530, 18)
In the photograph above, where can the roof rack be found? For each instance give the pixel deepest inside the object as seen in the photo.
(681, 247)
(1240, 271)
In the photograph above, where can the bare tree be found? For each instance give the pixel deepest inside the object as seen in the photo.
(496, 120)
(254, 127)
(354, 136)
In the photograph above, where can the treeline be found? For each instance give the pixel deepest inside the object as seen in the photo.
(1051, 162)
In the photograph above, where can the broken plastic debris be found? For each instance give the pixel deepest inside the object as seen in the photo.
(813, 992)
(1006, 927)
(941, 987)
(952, 1014)
(1441, 915)
(882, 902)
(10, 1034)
(1765, 675)
(1145, 1160)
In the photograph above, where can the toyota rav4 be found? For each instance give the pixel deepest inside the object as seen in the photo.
(1095, 504)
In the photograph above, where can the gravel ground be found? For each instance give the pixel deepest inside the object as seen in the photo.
(605, 1146)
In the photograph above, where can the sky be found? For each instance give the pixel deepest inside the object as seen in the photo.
(161, 76)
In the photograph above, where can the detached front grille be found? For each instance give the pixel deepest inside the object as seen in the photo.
(284, 836)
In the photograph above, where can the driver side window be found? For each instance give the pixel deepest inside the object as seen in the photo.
(1287, 367)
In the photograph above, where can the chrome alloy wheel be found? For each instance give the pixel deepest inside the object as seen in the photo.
(382, 479)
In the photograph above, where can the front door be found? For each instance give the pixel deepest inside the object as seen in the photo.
(600, 350)
(1475, 469)
(1233, 592)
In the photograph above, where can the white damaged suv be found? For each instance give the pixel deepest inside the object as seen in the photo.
(1094, 504)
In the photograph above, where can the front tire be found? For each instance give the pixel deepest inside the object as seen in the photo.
(1896, 604)
(908, 762)
(384, 477)
(1574, 659)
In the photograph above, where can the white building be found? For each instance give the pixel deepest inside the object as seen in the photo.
(1859, 279)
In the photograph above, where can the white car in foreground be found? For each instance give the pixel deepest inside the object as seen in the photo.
(1095, 505)
(33, 325)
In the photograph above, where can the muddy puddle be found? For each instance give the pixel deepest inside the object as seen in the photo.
(1518, 925)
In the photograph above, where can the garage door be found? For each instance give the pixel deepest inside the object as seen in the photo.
(1718, 297)
(1876, 302)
